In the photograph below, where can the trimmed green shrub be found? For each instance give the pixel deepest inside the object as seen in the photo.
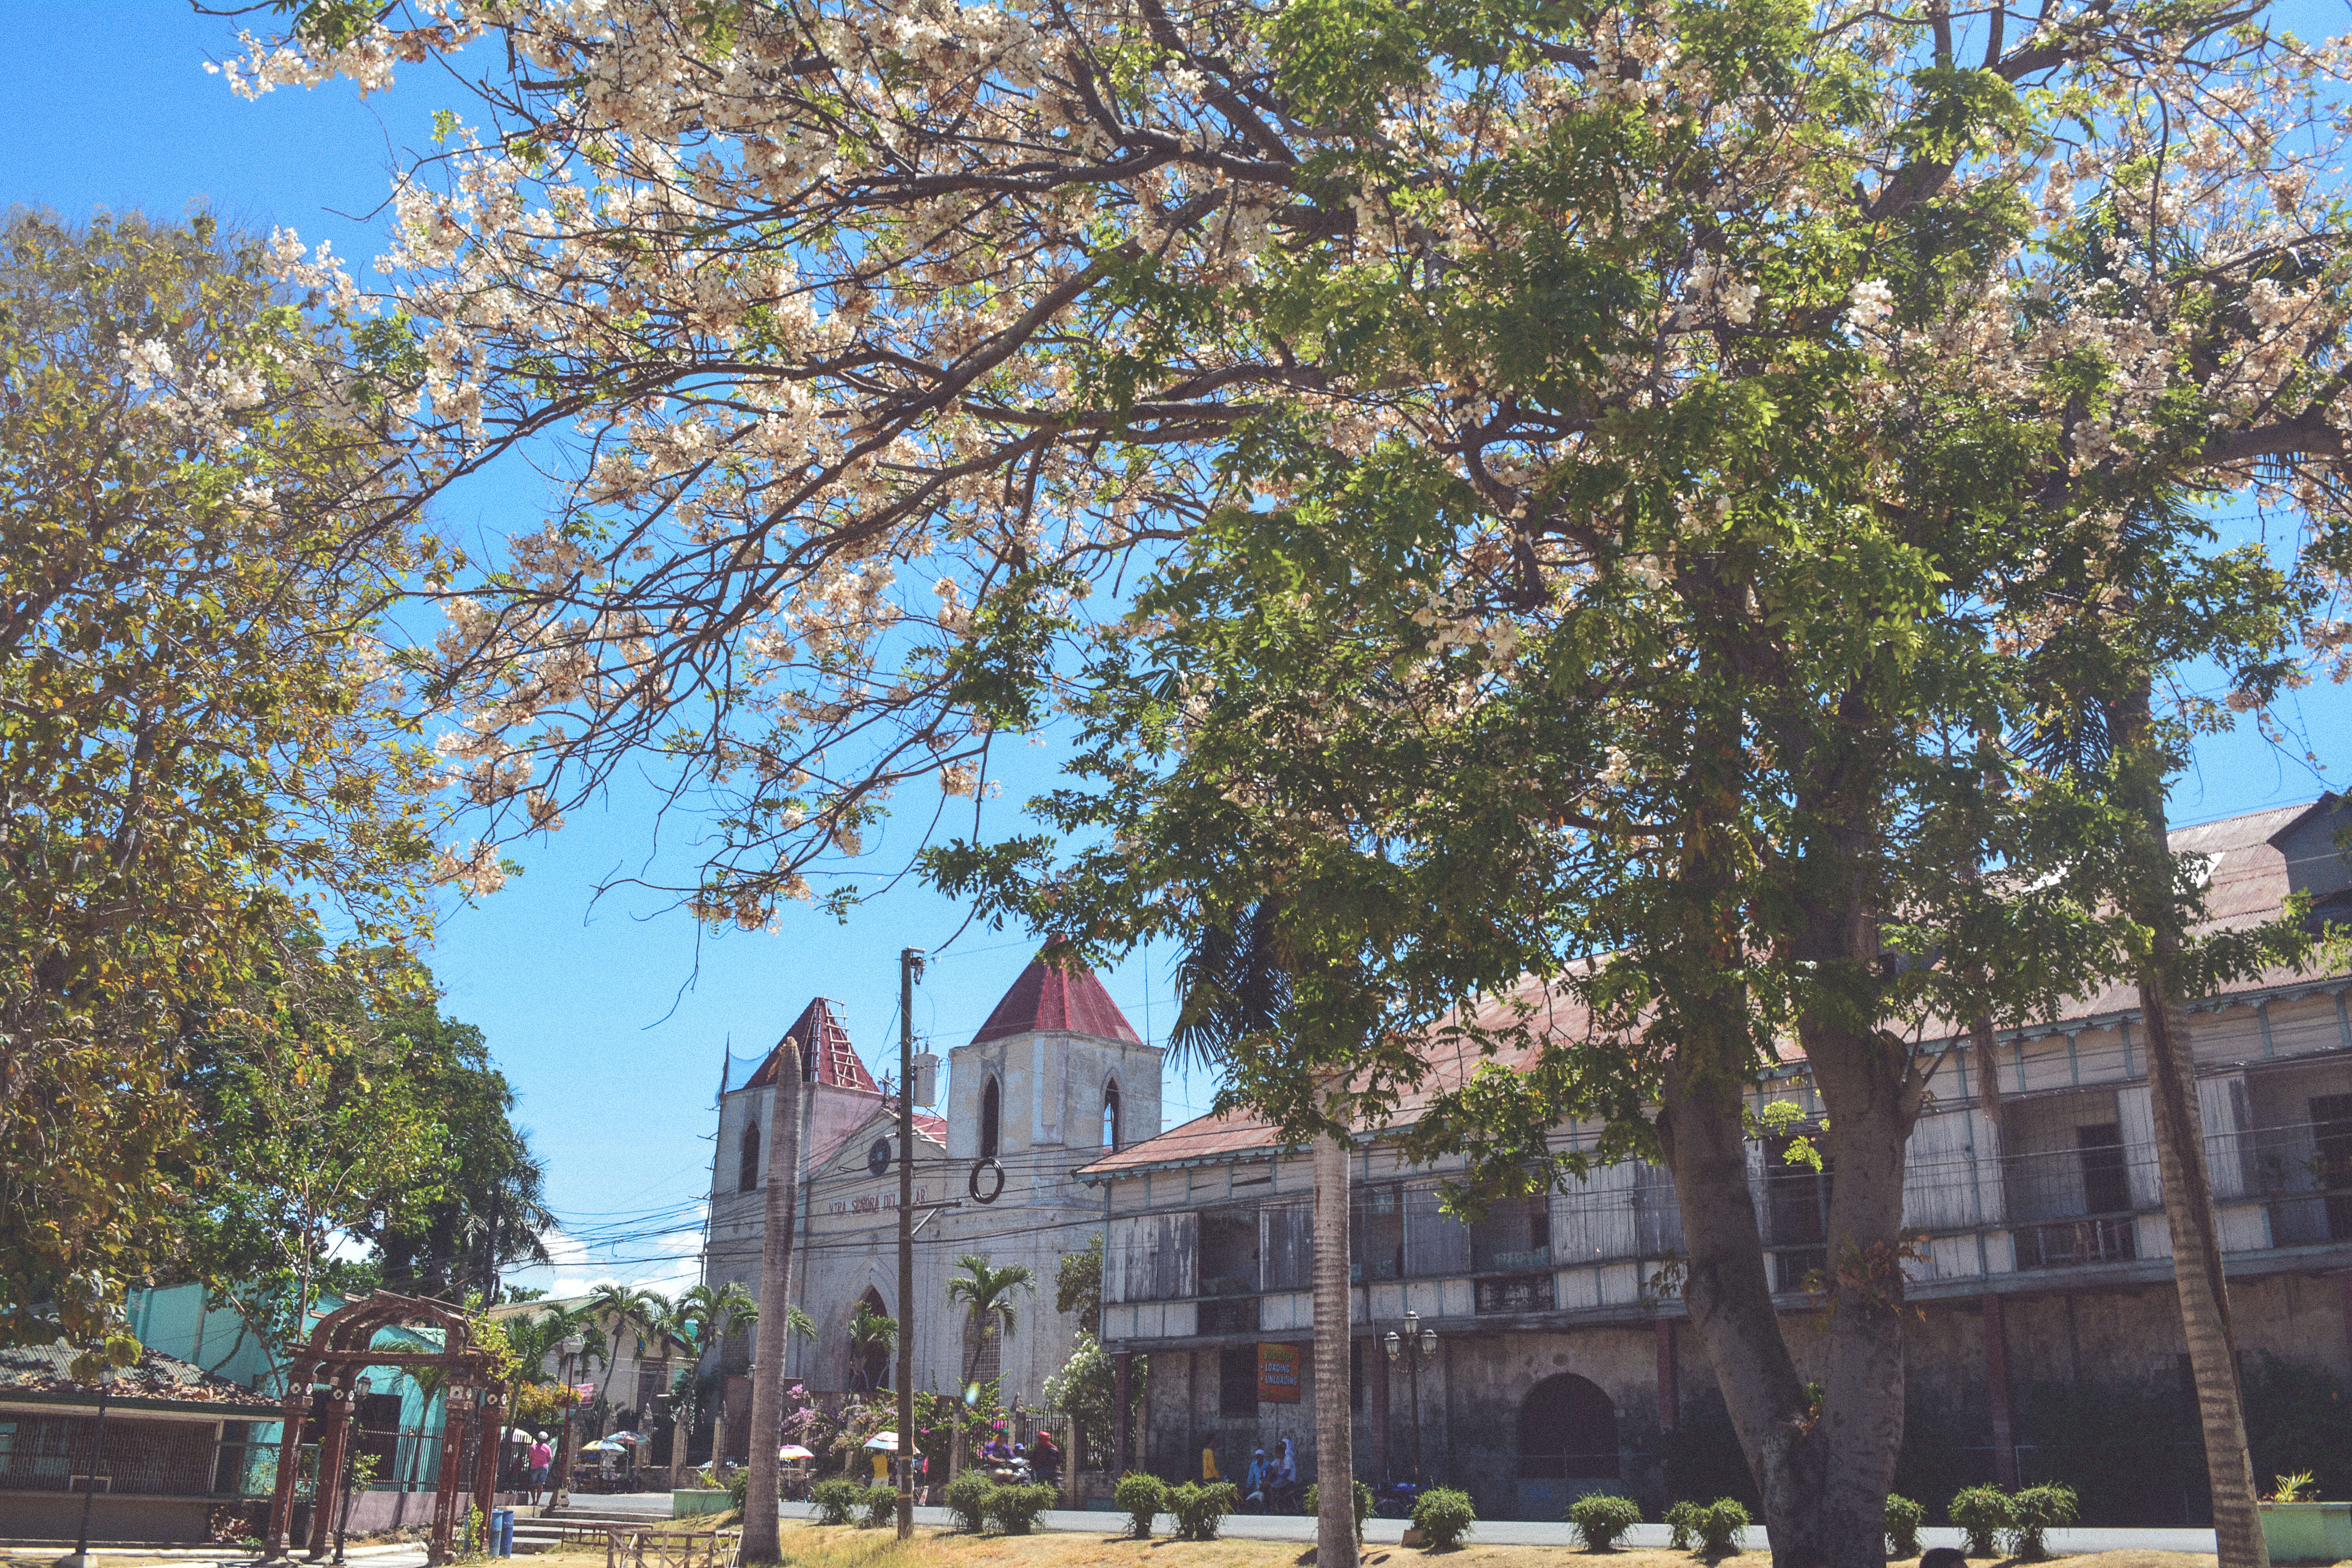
(837, 1501)
(967, 1499)
(1444, 1515)
(1311, 1505)
(1199, 1509)
(877, 1505)
(1142, 1499)
(738, 1488)
(1983, 1513)
(1682, 1526)
(1721, 1526)
(1904, 1519)
(2033, 1512)
(1014, 1510)
(1600, 1520)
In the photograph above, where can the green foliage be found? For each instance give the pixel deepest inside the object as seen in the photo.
(1444, 1515)
(1311, 1502)
(1712, 1528)
(1983, 1513)
(989, 1295)
(199, 740)
(1014, 1509)
(1904, 1519)
(1077, 1285)
(837, 1501)
(1201, 1507)
(966, 1498)
(1142, 1498)
(2300, 1487)
(1087, 1391)
(738, 1489)
(2035, 1511)
(1601, 1519)
(877, 1505)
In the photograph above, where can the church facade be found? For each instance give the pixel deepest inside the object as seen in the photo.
(1055, 1079)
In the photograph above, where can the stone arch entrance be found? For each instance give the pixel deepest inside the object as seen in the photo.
(1568, 1445)
(870, 1365)
(342, 1347)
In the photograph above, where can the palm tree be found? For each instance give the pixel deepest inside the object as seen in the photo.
(709, 1313)
(869, 1330)
(620, 1307)
(430, 1382)
(990, 1293)
(760, 1542)
(1238, 981)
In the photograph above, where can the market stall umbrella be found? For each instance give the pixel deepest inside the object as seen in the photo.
(887, 1441)
(517, 1434)
(602, 1445)
(624, 1437)
(794, 1451)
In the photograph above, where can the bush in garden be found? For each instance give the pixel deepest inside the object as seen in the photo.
(738, 1488)
(1904, 1519)
(1721, 1526)
(1983, 1513)
(1014, 1510)
(879, 1503)
(835, 1501)
(967, 1499)
(2034, 1510)
(1444, 1515)
(1142, 1499)
(1600, 1521)
(1682, 1526)
(1312, 1503)
(1200, 1509)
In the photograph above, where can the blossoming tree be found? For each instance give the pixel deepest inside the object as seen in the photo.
(1597, 460)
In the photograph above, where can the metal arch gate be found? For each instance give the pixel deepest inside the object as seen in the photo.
(342, 1347)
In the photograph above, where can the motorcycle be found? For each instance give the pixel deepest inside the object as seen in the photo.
(1395, 1499)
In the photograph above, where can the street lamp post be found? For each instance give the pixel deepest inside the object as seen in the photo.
(558, 1486)
(1403, 1348)
(343, 1525)
(81, 1557)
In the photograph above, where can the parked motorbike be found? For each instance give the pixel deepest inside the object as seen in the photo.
(1395, 1499)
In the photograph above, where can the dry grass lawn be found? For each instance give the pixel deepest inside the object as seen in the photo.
(815, 1546)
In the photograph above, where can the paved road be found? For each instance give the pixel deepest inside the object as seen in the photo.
(1535, 1532)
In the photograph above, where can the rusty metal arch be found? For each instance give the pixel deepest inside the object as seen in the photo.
(340, 1348)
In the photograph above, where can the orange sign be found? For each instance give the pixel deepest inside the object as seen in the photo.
(1277, 1375)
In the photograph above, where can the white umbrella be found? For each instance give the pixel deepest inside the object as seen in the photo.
(517, 1434)
(887, 1441)
(794, 1451)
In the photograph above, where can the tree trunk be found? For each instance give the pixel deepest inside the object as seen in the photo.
(1335, 1463)
(1732, 1310)
(760, 1540)
(2180, 1156)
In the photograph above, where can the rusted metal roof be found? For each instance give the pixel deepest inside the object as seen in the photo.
(44, 1372)
(1048, 997)
(2248, 884)
(826, 1055)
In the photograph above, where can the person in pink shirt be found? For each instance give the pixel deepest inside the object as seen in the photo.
(542, 1455)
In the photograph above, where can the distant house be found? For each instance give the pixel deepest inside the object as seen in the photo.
(176, 1441)
(634, 1369)
(395, 1420)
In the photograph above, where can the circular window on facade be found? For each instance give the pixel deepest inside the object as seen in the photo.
(877, 1157)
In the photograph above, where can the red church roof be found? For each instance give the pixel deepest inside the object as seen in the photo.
(1045, 997)
(826, 1055)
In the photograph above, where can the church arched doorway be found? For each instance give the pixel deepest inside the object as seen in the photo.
(1568, 1440)
(869, 1362)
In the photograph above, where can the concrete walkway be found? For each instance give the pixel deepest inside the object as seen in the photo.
(1536, 1533)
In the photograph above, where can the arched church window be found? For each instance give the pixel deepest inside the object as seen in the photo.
(991, 1117)
(746, 1176)
(1110, 1115)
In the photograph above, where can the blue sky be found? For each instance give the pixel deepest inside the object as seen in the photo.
(610, 1019)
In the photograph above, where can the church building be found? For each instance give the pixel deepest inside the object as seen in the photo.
(1055, 1079)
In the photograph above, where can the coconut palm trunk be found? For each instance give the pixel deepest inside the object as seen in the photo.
(760, 1542)
(1335, 1464)
(2181, 1163)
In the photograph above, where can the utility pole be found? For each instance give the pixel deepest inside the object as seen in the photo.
(910, 969)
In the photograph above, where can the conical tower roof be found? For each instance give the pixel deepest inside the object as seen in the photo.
(826, 1055)
(1045, 997)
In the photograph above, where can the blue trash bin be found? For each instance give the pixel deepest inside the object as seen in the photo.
(501, 1533)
